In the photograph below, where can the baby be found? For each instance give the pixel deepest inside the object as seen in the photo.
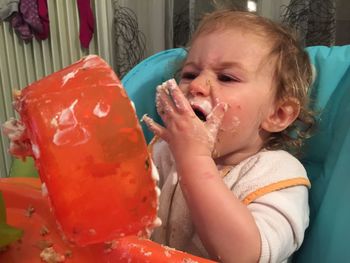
(230, 189)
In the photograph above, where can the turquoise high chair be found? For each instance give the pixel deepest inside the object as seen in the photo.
(327, 154)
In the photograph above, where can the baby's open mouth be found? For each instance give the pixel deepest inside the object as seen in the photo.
(200, 114)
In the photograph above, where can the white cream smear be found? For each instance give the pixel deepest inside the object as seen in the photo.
(133, 105)
(101, 110)
(88, 62)
(69, 76)
(204, 105)
(35, 150)
(44, 191)
(155, 176)
(232, 125)
(68, 124)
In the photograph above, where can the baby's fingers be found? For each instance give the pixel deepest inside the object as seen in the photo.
(181, 103)
(154, 127)
(164, 104)
(171, 100)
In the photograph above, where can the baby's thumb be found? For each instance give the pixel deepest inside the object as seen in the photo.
(215, 118)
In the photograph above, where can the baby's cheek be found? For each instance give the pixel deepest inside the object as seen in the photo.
(231, 120)
(230, 124)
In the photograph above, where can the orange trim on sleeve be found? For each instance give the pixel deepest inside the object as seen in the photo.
(274, 187)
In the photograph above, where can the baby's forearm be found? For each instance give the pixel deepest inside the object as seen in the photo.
(224, 225)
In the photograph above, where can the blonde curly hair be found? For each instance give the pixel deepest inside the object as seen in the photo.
(293, 71)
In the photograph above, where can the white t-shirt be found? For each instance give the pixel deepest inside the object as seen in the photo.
(273, 185)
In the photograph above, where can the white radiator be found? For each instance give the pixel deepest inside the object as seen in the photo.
(22, 64)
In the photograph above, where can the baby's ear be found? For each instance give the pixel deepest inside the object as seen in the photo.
(284, 113)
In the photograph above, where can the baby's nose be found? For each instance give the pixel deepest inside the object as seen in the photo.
(200, 86)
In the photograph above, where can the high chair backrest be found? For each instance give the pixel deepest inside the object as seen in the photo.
(327, 154)
(141, 81)
(327, 159)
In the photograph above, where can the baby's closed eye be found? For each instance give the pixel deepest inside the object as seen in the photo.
(188, 75)
(227, 78)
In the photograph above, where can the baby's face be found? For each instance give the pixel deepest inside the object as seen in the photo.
(231, 66)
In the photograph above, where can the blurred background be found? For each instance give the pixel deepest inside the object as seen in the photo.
(126, 31)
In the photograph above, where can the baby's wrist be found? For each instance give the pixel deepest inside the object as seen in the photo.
(192, 159)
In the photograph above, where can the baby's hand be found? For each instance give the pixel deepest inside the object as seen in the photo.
(20, 145)
(184, 131)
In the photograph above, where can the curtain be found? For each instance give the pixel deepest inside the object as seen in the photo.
(187, 14)
(142, 28)
(314, 20)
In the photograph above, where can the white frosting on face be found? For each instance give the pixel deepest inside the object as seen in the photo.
(231, 125)
(203, 105)
(235, 121)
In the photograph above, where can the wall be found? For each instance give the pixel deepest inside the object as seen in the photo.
(272, 8)
(22, 63)
(153, 19)
(342, 22)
